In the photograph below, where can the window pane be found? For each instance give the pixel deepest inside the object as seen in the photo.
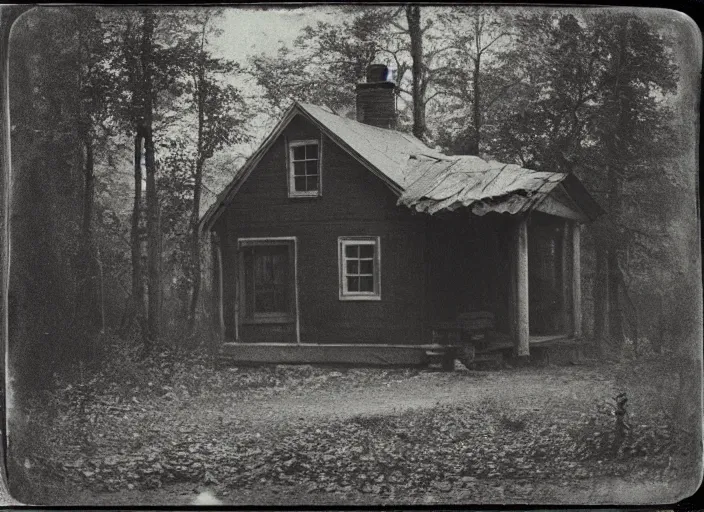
(366, 251)
(265, 302)
(260, 268)
(312, 167)
(312, 183)
(299, 168)
(366, 267)
(353, 284)
(299, 152)
(352, 251)
(352, 267)
(280, 299)
(279, 270)
(366, 284)
(312, 151)
(299, 183)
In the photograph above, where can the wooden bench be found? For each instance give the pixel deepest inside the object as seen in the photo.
(464, 336)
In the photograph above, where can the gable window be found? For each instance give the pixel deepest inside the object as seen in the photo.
(304, 172)
(359, 265)
(267, 275)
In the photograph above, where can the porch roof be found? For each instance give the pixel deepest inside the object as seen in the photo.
(486, 186)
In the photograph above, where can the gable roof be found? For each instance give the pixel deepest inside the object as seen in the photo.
(386, 150)
(423, 178)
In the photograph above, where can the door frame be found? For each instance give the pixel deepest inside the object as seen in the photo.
(269, 240)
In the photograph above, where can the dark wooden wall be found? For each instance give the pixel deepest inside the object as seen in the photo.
(469, 265)
(354, 202)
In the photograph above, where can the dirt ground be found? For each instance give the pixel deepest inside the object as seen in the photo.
(528, 388)
(334, 395)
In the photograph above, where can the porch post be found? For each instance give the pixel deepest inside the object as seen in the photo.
(566, 261)
(576, 281)
(522, 331)
(512, 279)
(220, 317)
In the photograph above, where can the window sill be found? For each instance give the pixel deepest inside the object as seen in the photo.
(360, 297)
(269, 320)
(304, 196)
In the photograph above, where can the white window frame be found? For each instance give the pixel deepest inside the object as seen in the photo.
(292, 192)
(342, 243)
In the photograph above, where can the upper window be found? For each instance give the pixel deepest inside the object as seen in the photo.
(304, 172)
(360, 276)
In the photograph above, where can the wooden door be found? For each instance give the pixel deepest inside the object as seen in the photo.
(267, 309)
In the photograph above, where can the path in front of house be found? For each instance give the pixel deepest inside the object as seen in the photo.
(522, 389)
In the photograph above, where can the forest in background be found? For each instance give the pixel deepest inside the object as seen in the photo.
(126, 123)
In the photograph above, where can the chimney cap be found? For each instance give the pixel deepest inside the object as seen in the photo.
(377, 73)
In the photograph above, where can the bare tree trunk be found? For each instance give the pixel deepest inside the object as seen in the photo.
(136, 301)
(87, 306)
(90, 293)
(195, 213)
(201, 98)
(102, 292)
(89, 192)
(615, 313)
(601, 303)
(476, 106)
(615, 318)
(614, 203)
(153, 253)
(195, 246)
(416, 35)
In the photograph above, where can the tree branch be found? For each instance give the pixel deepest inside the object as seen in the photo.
(502, 34)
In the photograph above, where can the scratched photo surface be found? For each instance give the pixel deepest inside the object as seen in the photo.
(351, 255)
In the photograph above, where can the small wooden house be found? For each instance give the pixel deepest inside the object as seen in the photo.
(347, 241)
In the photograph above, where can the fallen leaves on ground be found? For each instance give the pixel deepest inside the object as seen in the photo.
(109, 434)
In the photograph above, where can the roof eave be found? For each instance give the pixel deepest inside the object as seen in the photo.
(579, 193)
(213, 213)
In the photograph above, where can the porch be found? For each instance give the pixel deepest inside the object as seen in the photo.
(516, 279)
(366, 354)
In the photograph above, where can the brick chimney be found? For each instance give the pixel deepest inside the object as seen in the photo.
(376, 100)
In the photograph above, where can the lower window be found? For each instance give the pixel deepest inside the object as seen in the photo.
(359, 268)
(267, 277)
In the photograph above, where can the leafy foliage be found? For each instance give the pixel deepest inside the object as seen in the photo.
(326, 62)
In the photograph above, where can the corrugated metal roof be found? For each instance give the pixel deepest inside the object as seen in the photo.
(471, 182)
(425, 179)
